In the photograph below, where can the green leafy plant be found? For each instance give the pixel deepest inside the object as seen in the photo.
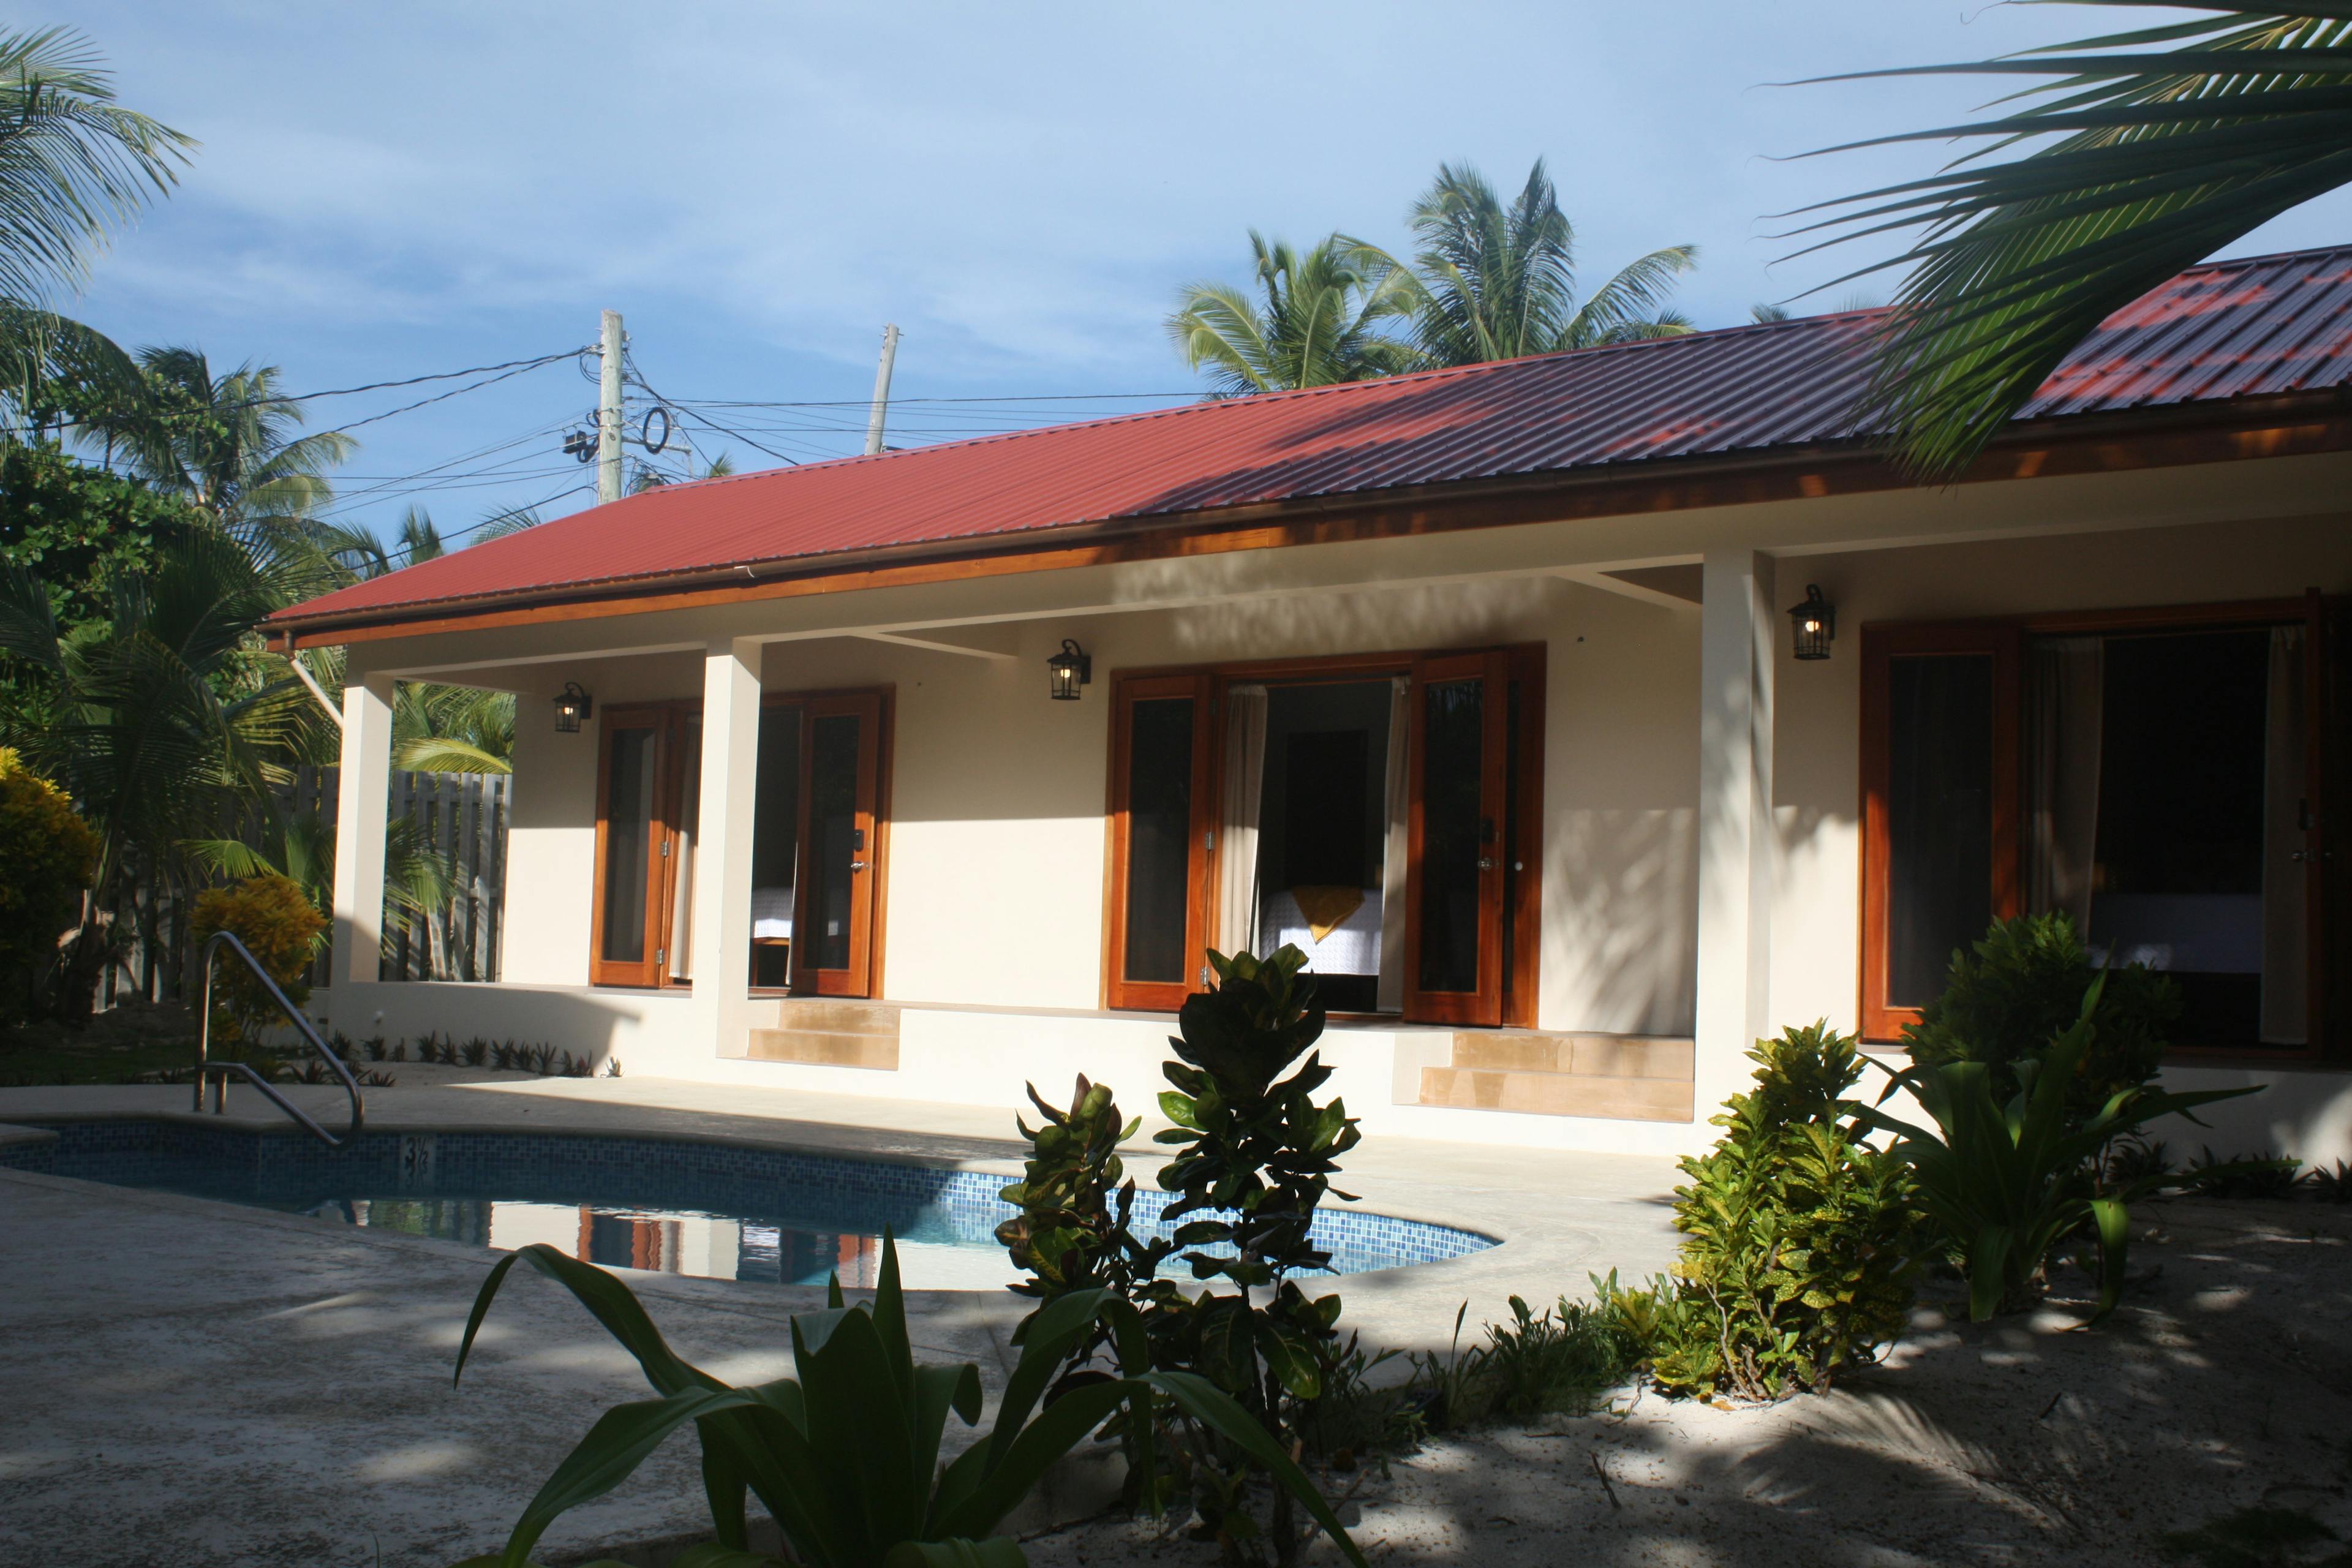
(846, 1457)
(1802, 1244)
(2020, 986)
(2242, 1175)
(1076, 1227)
(2009, 1183)
(1556, 1360)
(1257, 1157)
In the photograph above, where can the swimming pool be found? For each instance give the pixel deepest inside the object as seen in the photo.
(721, 1211)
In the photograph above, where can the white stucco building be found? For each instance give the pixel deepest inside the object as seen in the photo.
(1482, 683)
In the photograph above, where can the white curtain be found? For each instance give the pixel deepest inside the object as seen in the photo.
(689, 820)
(1238, 889)
(2286, 883)
(2064, 690)
(1390, 997)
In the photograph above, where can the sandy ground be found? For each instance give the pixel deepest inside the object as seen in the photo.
(2224, 1383)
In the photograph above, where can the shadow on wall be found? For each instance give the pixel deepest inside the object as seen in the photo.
(1621, 942)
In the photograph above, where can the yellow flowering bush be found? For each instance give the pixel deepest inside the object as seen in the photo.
(46, 855)
(279, 926)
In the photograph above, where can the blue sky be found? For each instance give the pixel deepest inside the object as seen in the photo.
(759, 184)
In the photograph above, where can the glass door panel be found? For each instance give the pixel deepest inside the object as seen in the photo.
(776, 846)
(834, 931)
(1454, 880)
(1157, 938)
(628, 850)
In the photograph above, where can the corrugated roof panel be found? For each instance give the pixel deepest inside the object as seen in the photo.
(2235, 329)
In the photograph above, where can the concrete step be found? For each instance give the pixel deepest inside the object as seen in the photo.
(1537, 1093)
(837, 1015)
(826, 1047)
(1595, 1056)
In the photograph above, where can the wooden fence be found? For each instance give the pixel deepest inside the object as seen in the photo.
(458, 820)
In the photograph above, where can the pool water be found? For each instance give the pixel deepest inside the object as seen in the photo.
(719, 1211)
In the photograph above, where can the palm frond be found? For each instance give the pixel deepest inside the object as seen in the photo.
(1631, 306)
(74, 165)
(2138, 160)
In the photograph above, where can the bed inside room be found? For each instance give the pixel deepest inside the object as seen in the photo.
(1311, 851)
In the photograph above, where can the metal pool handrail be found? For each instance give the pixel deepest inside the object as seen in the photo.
(205, 1067)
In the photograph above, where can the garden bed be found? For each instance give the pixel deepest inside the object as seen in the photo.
(2223, 1384)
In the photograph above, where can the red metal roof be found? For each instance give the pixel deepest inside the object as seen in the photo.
(2228, 330)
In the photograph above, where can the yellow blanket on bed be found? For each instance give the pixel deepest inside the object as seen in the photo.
(1325, 910)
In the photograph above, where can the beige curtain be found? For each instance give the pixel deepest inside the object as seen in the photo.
(2286, 884)
(1390, 997)
(1237, 888)
(2065, 687)
(689, 820)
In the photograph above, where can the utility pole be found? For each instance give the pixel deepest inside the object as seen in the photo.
(608, 414)
(882, 389)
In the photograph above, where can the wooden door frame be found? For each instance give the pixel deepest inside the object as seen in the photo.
(670, 716)
(1484, 1006)
(869, 707)
(1882, 640)
(1120, 993)
(1526, 673)
(2002, 644)
(878, 856)
(659, 718)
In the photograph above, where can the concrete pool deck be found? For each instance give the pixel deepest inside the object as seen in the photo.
(207, 1383)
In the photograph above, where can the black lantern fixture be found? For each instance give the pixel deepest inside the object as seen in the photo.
(1815, 624)
(572, 705)
(1067, 670)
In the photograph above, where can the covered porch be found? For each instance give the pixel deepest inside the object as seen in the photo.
(859, 847)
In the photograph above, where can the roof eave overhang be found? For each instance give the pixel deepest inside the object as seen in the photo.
(2281, 426)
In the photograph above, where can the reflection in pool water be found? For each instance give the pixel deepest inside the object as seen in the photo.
(674, 1206)
(714, 1246)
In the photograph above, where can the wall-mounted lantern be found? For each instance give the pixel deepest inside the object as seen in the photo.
(1067, 670)
(572, 705)
(1815, 624)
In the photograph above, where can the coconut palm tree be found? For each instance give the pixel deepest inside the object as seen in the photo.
(74, 166)
(229, 443)
(2148, 150)
(1489, 281)
(1316, 319)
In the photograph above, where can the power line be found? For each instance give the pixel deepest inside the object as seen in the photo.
(517, 365)
(638, 376)
(443, 396)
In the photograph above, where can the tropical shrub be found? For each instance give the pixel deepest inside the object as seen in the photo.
(1256, 1158)
(1075, 1228)
(2021, 986)
(46, 855)
(2009, 1183)
(279, 926)
(1802, 1244)
(1557, 1360)
(846, 1457)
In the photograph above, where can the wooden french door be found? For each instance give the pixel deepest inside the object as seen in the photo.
(1457, 824)
(1161, 819)
(637, 814)
(840, 846)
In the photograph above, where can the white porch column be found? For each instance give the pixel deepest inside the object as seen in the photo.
(723, 857)
(1736, 835)
(362, 801)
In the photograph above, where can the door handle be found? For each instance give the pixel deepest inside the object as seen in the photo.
(858, 865)
(1485, 862)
